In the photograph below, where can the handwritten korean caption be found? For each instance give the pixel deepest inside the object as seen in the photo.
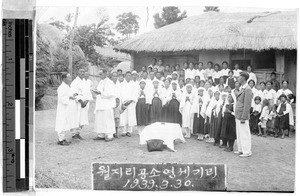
(159, 177)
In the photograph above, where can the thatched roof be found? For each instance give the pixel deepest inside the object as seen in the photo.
(109, 52)
(225, 31)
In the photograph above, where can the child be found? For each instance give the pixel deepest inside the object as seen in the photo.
(209, 94)
(156, 97)
(254, 116)
(219, 112)
(211, 111)
(141, 106)
(290, 100)
(271, 121)
(173, 113)
(117, 112)
(199, 116)
(262, 125)
(185, 110)
(198, 125)
(230, 80)
(228, 131)
(283, 111)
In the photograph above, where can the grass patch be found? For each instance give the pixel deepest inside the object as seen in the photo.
(50, 179)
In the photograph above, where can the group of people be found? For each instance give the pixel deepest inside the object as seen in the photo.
(217, 105)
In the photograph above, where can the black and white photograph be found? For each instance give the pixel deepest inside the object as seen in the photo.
(165, 98)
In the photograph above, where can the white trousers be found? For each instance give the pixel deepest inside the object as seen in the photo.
(243, 136)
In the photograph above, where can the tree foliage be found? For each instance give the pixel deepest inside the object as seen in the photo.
(211, 9)
(127, 24)
(168, 16)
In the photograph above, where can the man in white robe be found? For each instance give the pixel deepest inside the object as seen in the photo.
(104, 113)
(64, 100)
(129, 96)
(77, 87)
(87, 97)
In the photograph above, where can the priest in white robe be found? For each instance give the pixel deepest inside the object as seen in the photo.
(77, 87)
(104, 113)
(129, 96)
(65, 98)
(87, 97)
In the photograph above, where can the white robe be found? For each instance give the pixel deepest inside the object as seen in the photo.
(129, 91)
(77, 86)
(185, 109)
(62, 122)
(105, 102)
(87, 95)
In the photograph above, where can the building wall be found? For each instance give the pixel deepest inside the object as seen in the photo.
(216, 56)
(145, 59)
(290, 69)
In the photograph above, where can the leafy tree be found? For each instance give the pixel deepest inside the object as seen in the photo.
(169, 15)
(127, 24)
(211, 9)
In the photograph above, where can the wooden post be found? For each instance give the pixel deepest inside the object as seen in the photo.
(132, 61)
(71, 43)
(279, 60)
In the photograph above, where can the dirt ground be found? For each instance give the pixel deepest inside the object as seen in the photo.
(270, 168)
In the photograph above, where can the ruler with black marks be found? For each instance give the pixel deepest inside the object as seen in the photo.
(17, 99)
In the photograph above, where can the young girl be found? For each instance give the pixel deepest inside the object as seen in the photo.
(262, 125)
(283, 111)
(174, 116)
(290, 100)
(211, 111)
(185, 110)
(117, 112)
(271, 121)
(155, 99)
(216, 75)
(219, 112)
(141, 106)
(228, 131)
(199, 110)
(255, 114)
(230, 80)
(207, 114)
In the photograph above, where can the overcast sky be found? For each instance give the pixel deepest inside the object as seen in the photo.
(88, 15)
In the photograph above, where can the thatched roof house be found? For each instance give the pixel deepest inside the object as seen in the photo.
(267, 41)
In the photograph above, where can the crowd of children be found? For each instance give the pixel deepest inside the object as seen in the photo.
(202, 100)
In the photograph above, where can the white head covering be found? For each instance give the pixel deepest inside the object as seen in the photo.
(133, 72)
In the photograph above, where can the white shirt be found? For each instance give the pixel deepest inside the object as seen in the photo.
(285, 92)
(209, 72)
(257, 108)
(224, 72)
(271, 95)
(200, 73)
(216, 75)
(128, 91)
(288, 108)
(252, 76)
(265, 113)
(190, 73)
(77, 86)
(236, 72)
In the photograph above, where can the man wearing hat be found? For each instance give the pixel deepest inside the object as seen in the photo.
(242, 116)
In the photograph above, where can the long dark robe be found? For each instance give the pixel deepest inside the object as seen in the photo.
(213, 125)
(228, 130)
(198, 126)
(173, 114)
(207, 126)
(142, 112)
(164, 113)
(156, 107)
(219, 125)
(254, 120)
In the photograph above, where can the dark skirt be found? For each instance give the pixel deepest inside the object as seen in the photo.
(228, 130)
(219, 126)
(173, 114)
(254, 120)
(284, 122)
(206, 126)
(213, 126)
(142, 112)
(156, 107)
(164, 113)
(198, 126)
